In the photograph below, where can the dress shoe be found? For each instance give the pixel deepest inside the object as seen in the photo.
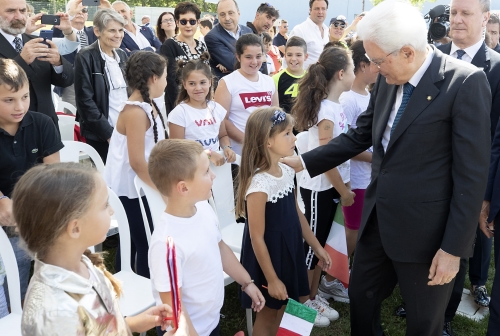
(447, 331)
(400, 311)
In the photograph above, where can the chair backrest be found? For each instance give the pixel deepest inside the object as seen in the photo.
(71, 153)
(302, 142)
(222, 190)
(67, 127)
(123, 228)
(10, 263)
(68, 106)
(155, 201)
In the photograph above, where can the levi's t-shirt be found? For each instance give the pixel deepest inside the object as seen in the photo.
(201, 125)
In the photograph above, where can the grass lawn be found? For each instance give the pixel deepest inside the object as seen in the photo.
(234, 316)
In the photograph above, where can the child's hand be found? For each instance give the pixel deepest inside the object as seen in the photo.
(183, 329)
(153, 317)
(217, 159)
(348, 198)
(325, 262)
(229, 154)
(258, 300)
(277, 290)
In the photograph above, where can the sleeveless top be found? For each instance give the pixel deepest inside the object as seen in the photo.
(118, 174)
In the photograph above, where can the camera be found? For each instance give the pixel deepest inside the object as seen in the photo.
(439, 23)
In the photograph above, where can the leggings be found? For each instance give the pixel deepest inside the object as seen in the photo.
(139, 242)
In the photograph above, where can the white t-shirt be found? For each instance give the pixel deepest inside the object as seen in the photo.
(246, 97)
(333, 112)
(199, 264)
(354, 104)
(200, 125)
(270, 65)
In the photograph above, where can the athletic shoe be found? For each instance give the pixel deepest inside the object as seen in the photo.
(481, 297)
(321, 321)
(322, 306)
(334, 289)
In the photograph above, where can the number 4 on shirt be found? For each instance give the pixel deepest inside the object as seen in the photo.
(293, 90)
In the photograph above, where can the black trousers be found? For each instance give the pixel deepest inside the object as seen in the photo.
(494, 322)
(101, 148)
(373, 278)
(478, 272)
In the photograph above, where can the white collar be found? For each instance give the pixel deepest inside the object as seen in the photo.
(10, 37)
(137, 29)
(238, 30)
(470, 51)
(415, 79)
(106, 56)
(311, 23)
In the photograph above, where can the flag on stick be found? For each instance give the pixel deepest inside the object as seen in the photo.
(298, 320)
(336, 247)
(174, 285)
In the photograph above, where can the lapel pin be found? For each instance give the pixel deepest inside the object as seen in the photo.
(429, 98)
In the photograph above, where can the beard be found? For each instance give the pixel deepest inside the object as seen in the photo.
(14, 27)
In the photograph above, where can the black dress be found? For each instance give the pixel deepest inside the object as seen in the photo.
(283, 237)
(175, 50)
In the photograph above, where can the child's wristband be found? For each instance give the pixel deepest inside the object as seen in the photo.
(209, 153)
(245, 285)
(223, 148)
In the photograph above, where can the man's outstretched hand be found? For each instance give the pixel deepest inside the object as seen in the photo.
(294, 162)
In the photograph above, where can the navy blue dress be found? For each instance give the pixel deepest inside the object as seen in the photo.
(283, 237)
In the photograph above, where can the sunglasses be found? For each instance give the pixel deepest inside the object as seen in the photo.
(191, 22)
(337, 24)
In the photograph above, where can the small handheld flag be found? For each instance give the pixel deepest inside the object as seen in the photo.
(174, 285)
(297, 320)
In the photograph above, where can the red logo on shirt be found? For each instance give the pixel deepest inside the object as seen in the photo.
(256, 99)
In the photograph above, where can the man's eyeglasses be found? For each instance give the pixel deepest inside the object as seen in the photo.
(379, 62)
(337, 24)
(167, 21)
(191, 22)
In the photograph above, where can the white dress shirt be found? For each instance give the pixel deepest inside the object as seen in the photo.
(238, 32)
(414, 80)
(311, 33)
(138, 38)
(470, 52)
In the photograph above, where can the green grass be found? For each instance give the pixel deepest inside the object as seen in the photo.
(234, 316)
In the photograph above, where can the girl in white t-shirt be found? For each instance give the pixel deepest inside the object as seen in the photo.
(196, 116)
(139, 127)
(354, 103)
(245, 89)
(318, 110)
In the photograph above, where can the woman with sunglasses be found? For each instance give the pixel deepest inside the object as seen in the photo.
(181, 47)
(166, 27)
(337, 28)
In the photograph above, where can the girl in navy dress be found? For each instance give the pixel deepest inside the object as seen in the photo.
(272, 249)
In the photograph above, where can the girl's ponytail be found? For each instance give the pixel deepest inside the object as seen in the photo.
(98, 261)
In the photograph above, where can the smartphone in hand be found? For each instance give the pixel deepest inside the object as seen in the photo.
(91, 2)
(51, 20)
(46, 35)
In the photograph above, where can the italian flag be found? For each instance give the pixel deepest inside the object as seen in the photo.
(297, 320)
(336, 247)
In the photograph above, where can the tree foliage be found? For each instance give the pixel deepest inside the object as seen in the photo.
(417, 3)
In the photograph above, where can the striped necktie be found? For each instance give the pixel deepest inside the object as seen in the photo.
(83, 39)
(460, 54)
(18, 45)
(407, 91)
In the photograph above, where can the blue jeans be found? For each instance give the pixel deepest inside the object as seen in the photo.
(23, 264)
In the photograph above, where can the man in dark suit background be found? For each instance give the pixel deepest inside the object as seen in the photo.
(428, 122)
(493, 29)
(221, 40)
(135, 38)
(467, 22)
(43, 65)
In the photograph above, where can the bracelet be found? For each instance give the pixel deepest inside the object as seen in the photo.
(69, 33)
(2, 197)
(209, 153)
(227, 147)
(245, 285)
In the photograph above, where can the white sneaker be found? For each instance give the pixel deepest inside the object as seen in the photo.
(334, 289)
(321, 320)
(327, 311)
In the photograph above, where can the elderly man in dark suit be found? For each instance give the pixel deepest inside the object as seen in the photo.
(221, 40)
(428, 122)
(467, 21)
(41, 62)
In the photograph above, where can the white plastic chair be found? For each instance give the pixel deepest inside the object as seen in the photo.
(155, 201)
(137, 295)
(67, 127)
(71, 153)
(302, 142)
(222, 190)
(65, 105)
(11, 324)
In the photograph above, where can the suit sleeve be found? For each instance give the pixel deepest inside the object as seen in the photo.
(85, 104)
(168, 50)
(470, 144)
(345, 146)
(66, 77)
(219, 52)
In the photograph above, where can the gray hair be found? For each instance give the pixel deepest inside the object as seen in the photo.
(104, 16)
(485, 5)
(120, 3)
(392, 25)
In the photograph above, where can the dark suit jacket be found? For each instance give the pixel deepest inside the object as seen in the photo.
(129, 43)
(221, 47)
(489, 61)
(427, 188)
(91, 37)
(41, 75)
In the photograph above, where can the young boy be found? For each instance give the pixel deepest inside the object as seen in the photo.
(268, 42)
(287, 80)
(26, 138)
(180, 169)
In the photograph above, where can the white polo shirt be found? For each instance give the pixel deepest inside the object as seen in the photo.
(138, 38)
(311, 33)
